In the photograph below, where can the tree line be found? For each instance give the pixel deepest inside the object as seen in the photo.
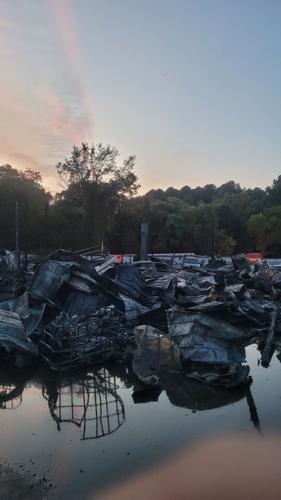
(99, 205)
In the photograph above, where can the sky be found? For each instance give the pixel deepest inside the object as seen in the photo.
(191, 87)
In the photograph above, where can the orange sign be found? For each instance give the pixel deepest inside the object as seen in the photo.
(254, 257)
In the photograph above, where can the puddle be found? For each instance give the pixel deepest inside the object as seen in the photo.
(77, 434)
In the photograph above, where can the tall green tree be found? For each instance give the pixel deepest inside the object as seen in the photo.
(26, 189)
(96, 184)
(265, 230)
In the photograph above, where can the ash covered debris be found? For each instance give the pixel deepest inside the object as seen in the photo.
(70, 312)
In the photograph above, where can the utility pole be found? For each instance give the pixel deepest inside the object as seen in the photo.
(17, 227)
(46, 210)
(212, 234)
(25, 234)
(144, 241)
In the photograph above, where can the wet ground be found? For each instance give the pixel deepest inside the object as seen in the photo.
(70, 437)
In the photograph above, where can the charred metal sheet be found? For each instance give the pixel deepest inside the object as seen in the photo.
(106, 266)
(82, 282)
(182, 323)
(78, 303)
(12, 334)
(30, 316)
(33, 320)
(130, 279)
(8, 261)
(17, 304)
(132, 308)
(162, 286)
(200, 349)
(240, 262)
(48, 279)
(155, 353)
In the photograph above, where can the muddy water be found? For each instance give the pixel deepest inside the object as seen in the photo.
(76, 435)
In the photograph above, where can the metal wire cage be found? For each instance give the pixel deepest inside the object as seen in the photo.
(93, 404)
(93, 337)
(10, 398)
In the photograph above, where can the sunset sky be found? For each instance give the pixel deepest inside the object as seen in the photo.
(192, 87)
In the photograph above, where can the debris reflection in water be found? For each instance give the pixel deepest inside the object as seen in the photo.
(91, 401)
(92, 404)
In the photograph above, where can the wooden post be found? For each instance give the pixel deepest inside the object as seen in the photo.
(144, 241)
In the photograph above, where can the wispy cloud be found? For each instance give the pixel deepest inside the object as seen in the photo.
(45, 107)
(62, 123)
(66, 30)
(24, 159)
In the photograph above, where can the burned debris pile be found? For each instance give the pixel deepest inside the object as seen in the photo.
(70, 312)
(94, 337)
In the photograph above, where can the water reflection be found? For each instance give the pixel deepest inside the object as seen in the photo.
(92, 401)
(92, 404)
(185, 392)
(10, 396)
